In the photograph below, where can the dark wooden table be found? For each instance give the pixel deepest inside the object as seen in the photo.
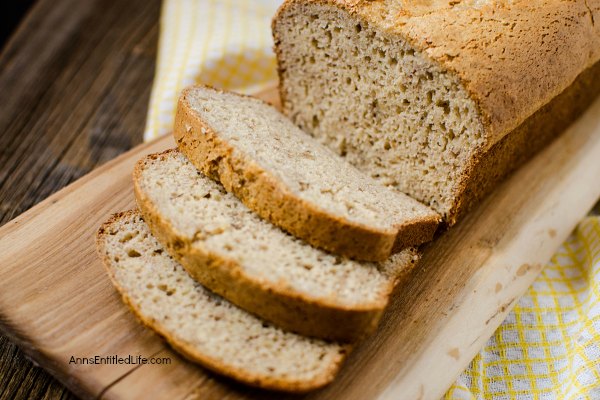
(75, 79)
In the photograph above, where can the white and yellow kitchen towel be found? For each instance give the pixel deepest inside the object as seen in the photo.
(223, 43)
(549, 345)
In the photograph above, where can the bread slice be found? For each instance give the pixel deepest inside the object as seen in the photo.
(290, 179)
(201, 325)
(440, 99)
(252, 263)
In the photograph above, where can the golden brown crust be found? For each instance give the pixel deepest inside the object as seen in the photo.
(492, 166)
(278, 304)
(512, 57)
(270, 199)
(257, 380)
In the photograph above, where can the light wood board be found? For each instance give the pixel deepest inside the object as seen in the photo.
(56, 302)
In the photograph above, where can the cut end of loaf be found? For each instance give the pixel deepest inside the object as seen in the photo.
(203, 326)
(376, 100)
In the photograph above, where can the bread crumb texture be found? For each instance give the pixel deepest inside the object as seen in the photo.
(203, 326)
(413, 92)
(213, 221)
(311, 171)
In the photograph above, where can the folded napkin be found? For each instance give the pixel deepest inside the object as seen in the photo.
(223, 43)
(549, 345)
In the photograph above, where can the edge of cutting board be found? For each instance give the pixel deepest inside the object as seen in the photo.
(55, 300)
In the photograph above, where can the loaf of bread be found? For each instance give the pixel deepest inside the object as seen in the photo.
(203, 326)
(255, 265)
(440, 99)
(290, 179)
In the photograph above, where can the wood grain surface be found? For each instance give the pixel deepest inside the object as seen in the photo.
(56, 301)
(75, 79)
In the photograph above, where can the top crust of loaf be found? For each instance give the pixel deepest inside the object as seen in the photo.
(513, 57)
(290, 179)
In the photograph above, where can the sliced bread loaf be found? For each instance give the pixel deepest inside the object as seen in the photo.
(441, 99)
(202, 326)
(290, 179)
(233, 252)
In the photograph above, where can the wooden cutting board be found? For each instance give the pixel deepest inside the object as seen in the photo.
(56, 302)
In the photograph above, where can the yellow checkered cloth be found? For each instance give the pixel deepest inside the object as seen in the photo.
(548, 347)
(223, 43)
